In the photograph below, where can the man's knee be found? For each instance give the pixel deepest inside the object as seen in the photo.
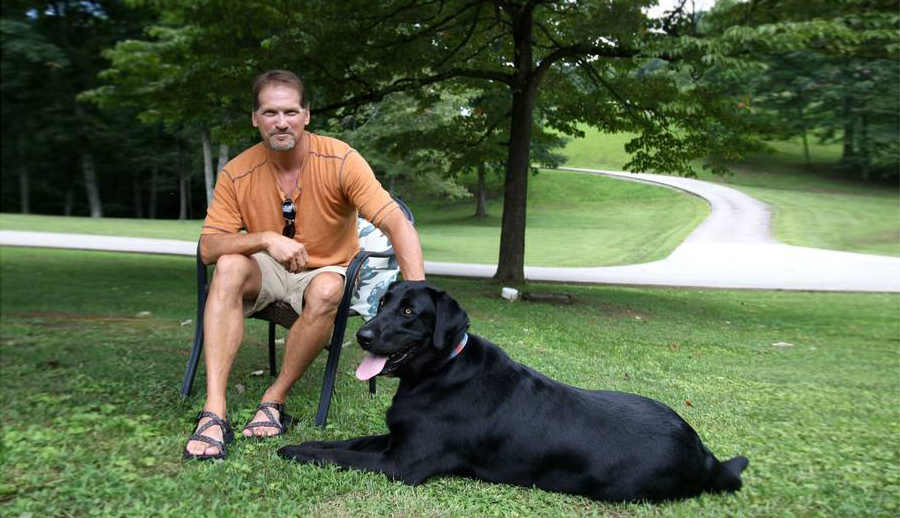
(233, 272)
(324, 293)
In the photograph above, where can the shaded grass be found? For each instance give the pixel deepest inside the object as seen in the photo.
(93, 424)
(812, 205)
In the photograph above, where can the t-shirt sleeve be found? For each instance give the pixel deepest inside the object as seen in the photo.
(364, 191)
(222, 215)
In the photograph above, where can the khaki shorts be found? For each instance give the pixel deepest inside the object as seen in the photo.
(280, 285)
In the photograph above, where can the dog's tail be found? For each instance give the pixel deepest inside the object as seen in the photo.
(726, 476)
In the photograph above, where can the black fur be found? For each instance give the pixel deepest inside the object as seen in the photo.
(482, 415)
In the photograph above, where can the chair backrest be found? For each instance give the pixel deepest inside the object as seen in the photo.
(377, 273)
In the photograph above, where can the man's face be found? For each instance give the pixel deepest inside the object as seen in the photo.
(280, 118)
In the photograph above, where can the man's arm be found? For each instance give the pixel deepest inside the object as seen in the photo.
(405, 241)
(285, 250)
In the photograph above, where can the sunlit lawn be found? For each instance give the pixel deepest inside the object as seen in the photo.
(573, 220)
(811, 206)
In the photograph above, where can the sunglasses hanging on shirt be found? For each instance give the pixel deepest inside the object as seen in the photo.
(287, 210)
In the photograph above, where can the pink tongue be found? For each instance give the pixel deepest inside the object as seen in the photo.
(370, 366)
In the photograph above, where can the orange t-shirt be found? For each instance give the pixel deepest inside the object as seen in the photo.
(334, 184)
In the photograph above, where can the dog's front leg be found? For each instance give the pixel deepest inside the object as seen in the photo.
(370, 443)
(380, 462)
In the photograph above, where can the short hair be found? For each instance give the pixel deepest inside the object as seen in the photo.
(281, 77)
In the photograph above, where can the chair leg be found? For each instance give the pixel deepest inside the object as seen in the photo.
(334, 355)
(371, 385)
(272, 369)
(190, 370)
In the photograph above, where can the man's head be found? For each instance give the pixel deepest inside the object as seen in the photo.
(280, 109)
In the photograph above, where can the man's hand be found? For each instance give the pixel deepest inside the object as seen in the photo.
(291, 254)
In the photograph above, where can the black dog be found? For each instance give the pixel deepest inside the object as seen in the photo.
(465, 408)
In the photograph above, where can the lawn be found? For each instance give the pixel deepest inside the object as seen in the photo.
(811, 206)
(804, 384)
(597, 221)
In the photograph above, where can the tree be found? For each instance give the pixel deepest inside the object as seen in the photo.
(567, 62)
(28, 58)
(602, 63)
(841, 83)
(51, 53)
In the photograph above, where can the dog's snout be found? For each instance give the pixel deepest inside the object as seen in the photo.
(365, 336)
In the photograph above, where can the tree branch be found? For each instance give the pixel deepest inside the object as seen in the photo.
(411, 83)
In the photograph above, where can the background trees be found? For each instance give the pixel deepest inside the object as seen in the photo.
(122, 109)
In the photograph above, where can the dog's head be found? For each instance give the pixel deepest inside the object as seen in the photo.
(415, 330)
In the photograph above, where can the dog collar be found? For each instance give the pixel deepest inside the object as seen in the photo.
(458, 349)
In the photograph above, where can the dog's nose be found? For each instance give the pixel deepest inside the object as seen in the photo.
(365, 336)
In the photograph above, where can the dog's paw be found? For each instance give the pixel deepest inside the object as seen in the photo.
(299, 454)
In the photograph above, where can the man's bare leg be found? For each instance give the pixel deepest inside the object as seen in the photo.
(236, 277)
(305, 340)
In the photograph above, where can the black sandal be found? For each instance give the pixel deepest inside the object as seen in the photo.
(284, 420)
(214, 420)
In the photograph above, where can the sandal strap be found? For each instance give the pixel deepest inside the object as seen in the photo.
(208, 440)
(214, 420)
(271, 423)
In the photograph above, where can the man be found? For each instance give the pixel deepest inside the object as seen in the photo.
(297, 195)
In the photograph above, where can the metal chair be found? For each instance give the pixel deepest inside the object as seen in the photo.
(283, 314)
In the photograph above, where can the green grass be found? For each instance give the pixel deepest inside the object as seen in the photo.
(598, 150)
(811, 206)
(597, 221)
(186, 230)
(815, 208)
(573, 220)
(93, 424)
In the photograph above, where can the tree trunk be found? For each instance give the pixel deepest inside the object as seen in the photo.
(511, 263)
(138, 196)
(182, 184)
(865, 158)
(806, 148)
(151, 205)
(849, 155)
(480, 194)
(223, 159)
(22, 170)
(69, 203)
(208, 177)
(24, 196)
(90, 184)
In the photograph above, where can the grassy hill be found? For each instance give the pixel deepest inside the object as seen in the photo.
(812, 207)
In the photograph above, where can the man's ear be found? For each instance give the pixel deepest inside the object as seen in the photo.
(450, 320)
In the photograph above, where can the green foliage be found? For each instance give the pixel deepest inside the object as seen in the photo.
(824, 69)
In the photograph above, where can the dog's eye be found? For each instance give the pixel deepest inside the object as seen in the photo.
(407, 311)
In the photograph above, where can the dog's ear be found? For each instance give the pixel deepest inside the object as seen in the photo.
(450, 320)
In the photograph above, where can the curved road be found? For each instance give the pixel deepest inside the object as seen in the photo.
(731, 248)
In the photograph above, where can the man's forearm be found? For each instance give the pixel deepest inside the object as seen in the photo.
(214, 246)
(407, 248)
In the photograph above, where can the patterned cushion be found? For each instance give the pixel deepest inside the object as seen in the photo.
(376, 274)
